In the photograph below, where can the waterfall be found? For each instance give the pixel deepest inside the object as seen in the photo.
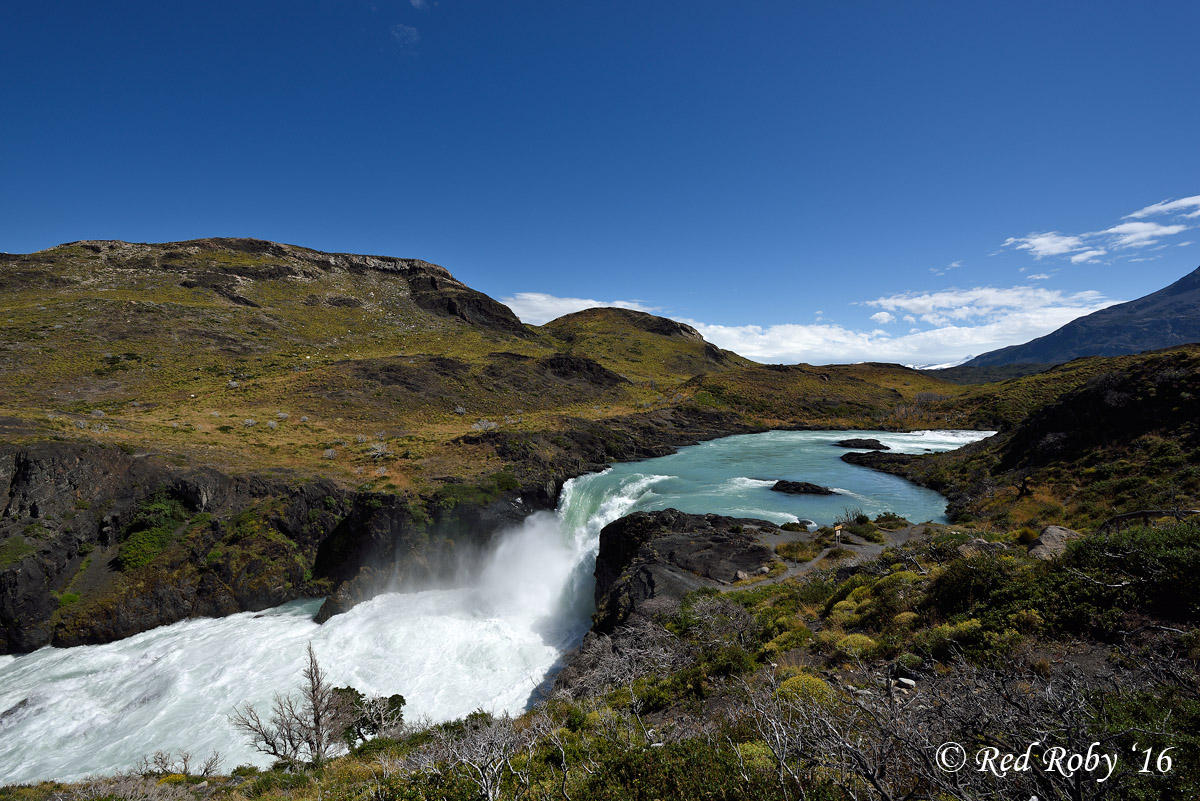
(488, 642)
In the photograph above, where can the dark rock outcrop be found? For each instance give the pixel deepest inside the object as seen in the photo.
(862, 444)
(667, 554)
(247, 543)
(548, 458)
(887, 462)
(801, 488)
(68, 503)
(252, 542)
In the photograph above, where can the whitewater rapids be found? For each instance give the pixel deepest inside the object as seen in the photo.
(491, 643)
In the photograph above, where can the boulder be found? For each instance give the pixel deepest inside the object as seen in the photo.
(977, 546)
(1052, 542)
(667, 554)
(801, 488)
(862, 444)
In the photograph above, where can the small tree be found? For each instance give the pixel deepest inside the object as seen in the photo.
(308, 730)
(485, 751)
(377, 716)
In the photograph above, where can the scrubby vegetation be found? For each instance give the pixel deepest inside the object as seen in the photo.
(837, 683)
(150, 530)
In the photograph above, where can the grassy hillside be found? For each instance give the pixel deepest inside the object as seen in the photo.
(388, 373)
(1079, 443)
(250, 355)
(869, 395)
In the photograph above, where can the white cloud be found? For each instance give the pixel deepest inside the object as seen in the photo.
(1051, 243)
(951, 266)
(1185, 244)
(966, 322)
(406, 36)
(1088, 255)
(1087, 247)
(836, 344)
(537, 308)
(1140, 234)
(1169, 207)
(982, 302)
(419, 4)
(1039, 277)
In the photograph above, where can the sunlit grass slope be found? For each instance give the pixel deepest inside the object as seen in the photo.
(249, 355)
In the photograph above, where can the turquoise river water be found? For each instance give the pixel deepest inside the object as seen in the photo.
(488, 643)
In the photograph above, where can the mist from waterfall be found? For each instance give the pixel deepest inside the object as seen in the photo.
(490, 642)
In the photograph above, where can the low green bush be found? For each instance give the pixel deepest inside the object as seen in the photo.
(150, 530)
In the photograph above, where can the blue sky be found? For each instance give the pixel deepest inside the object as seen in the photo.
(913, 182)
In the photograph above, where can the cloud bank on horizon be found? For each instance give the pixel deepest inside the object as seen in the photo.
(969, 322)
(944, 327)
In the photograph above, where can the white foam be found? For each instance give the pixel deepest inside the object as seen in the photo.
(67, 713)
(743, 483)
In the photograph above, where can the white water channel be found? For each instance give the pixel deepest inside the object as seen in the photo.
(66, 713)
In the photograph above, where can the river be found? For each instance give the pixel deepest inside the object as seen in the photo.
(487, 644)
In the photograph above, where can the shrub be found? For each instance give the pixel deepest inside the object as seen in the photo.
(890, 521)
(788, 640)
(150, 530)
(806, 687)
(867, 532)
(941, 642)
(798, 551)
(856, 646)
(14, 549)
(275, 780)
(852, 516)
(505, 481)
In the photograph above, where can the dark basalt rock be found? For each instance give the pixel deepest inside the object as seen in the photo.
(668, 554)
(580, 368)
(265, 541)
(801, 488)
(862, 444)
(69, 503)
(887, 462)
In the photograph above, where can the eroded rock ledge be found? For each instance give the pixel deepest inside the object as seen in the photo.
(667, 554)
(234, 544)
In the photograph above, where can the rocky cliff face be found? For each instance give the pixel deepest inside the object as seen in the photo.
(668, 554)
(207, 264)
(245, 543)
(231, 544)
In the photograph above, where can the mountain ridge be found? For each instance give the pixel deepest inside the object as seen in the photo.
(1162, 319)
